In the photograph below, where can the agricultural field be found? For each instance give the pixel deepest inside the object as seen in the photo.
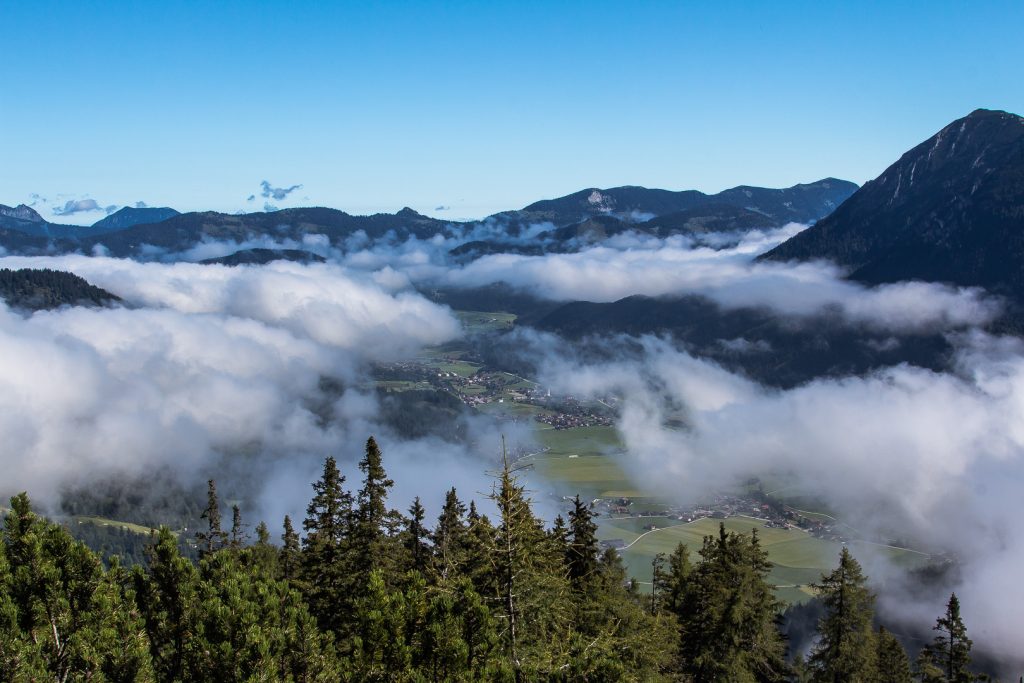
(477, 322)
(588, 461)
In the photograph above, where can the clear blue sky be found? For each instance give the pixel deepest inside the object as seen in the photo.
(477, 106)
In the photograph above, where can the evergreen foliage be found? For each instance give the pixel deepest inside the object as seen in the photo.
(846, 652)
(368, 595)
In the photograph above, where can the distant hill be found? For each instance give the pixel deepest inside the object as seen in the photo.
(769, 347)
(130, 216)
(35, 289)
(185, 230)
(949, 210)
(263, 256)
(26, 221)
(800, 203)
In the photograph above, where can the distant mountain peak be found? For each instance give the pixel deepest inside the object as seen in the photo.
(21, 212)
(951, 209)
(130, 216)
(406, 212)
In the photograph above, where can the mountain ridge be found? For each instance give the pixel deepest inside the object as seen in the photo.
(951, 209)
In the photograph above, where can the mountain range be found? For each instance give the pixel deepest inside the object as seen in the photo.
(586, 216)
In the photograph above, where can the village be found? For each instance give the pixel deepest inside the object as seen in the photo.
(774, 515)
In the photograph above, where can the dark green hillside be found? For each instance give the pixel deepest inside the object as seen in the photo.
(35, 289)
(369, 593)
(765, 346)
(185, 230)
(263, 256)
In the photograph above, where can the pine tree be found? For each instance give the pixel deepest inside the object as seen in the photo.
(214, 538)
(291, 558)
(582, 551)
(728, 629)
(673, 582)
(238, 535)
(61, 616)
(373, 520)
(167, 594)
(415, 536)
(950, 651)
(893, 665)
(846, 650)
(531, 591)
(326, 574)
(449, 533)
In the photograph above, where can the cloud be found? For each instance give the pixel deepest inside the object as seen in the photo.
(268, 207)
(640, 265)
(901, 453)
(110, 209)
(73, 206)
(442, 207)
(251, 198)
(141, 205)
(204, 365)
(276, 193)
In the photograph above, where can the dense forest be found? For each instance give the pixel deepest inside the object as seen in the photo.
(38, 289)
(370, 594)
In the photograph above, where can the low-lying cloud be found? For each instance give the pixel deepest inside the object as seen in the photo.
(204, 364)
(676, 267)
(903, 452)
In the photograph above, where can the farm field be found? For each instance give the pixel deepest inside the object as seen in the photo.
(586, 460)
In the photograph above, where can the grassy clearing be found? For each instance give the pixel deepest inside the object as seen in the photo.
(476, 322)
(102, 521)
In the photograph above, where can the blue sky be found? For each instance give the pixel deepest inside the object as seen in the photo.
(477, 106)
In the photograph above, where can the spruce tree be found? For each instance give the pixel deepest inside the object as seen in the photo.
(673, 582)
(213, 539)
(448, 536)
(238, 535)
(846, 650)
(531, 590)
(415, 535)
(728, 629)
(373, 521)
(326, 575)
(950, 651)
(893, 665)
(291, 558)
(582, 551)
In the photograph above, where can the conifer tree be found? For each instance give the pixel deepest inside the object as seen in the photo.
(531, 591)
(290, 557)
(950, 651)
(415, 536)
(846, 651)
(168, 596)
(326, 574)
(373, 520)
(582, 551)
(893, 665)
(728, 629)
(213, 539)
(673, 581)
(238, 535)
(449, 533)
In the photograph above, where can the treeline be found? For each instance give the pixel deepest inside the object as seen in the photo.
(369, 594)
(38, 289)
